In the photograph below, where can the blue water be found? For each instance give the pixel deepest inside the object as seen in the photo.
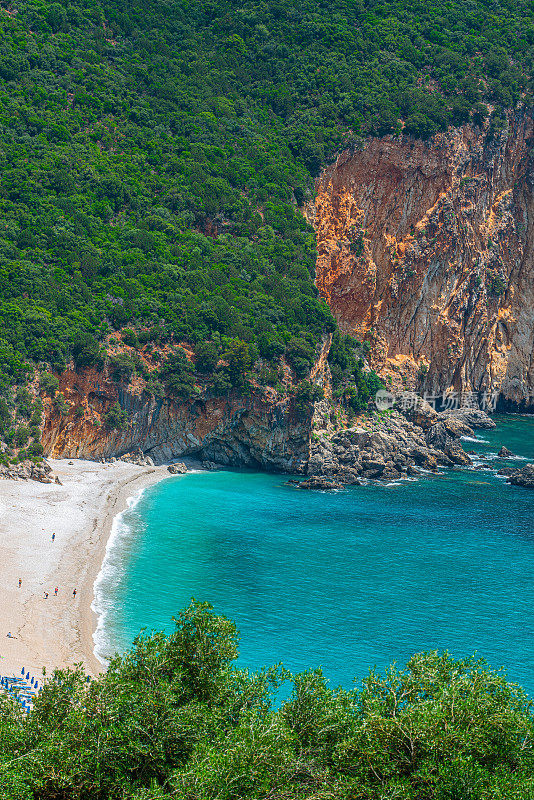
(348, 580)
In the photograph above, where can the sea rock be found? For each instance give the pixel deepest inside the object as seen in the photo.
(457, 455)
(317, 483)
(505, 453)
(506, 471)
(523, 477)
(177, 469)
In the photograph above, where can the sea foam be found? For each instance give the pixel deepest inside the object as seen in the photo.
(113, 565)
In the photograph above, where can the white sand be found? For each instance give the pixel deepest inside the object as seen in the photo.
(57, 631)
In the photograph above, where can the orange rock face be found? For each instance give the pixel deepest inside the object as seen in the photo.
(425, 250)
(261, 430)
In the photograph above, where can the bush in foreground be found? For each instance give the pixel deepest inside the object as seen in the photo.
(174, 718)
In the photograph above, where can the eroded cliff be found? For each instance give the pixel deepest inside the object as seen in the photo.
(426, 251)
(257, 431)
(263, 429)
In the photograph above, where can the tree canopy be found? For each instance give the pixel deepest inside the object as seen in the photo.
(175, 718)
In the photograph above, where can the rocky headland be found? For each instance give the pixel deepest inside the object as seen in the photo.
(389, 446)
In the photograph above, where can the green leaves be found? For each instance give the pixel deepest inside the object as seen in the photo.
(174, 717)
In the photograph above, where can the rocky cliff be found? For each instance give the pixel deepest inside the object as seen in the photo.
(426, 251)
(261, 430)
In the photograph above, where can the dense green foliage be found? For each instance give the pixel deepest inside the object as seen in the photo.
(153, 155)
(352, 384)
(173, 718)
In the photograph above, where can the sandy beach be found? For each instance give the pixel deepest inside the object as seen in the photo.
(57, 631)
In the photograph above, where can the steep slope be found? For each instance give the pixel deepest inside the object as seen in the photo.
(425, 250)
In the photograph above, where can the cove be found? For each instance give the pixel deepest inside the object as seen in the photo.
(348, 580)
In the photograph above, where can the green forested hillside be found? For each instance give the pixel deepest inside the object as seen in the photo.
(154, 155)
(175, 720)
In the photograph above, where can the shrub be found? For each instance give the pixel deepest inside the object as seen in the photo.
(122, 366)
(35, 449)
(129, 337)
(21, 436)
(61, 405)
(206, 357)
(178, 375)
(48, 383)
(116, 418)
(305, 395)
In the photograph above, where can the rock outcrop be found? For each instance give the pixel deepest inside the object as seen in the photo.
(425, 251)
(523, 477)
(28, 470)
(383, 447)
(178, 468)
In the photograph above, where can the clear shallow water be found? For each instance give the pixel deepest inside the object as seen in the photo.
(346, 580)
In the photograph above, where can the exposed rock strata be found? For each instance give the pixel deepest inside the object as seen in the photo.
(257, 431)
(425, 250)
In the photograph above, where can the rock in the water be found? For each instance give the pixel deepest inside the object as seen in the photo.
(523, 477)
(316, 482)
(504, 452)
(457, 455)
(506, 471)
(177, 469)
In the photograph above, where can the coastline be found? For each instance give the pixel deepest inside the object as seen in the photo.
(57, 631)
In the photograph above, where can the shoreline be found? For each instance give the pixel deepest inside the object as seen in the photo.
(57, 631)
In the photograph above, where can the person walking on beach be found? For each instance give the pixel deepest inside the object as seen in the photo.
(46, 595)
(55, 592)
(20, 582)
(74, 593)
(53, 536)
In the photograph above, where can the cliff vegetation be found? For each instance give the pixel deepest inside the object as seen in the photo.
(154, 158)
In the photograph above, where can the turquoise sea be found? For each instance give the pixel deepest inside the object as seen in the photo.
(347, 580)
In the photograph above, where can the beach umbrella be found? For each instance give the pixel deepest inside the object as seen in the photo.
(22, 670)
